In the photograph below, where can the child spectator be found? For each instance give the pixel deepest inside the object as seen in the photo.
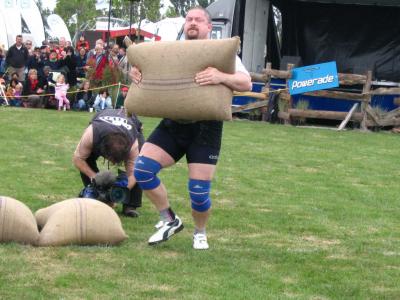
(103, 101)
(61, 92)
(14, 93)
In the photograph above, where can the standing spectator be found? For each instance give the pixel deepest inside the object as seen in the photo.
(82, 44)
(113, 56)
(124, 65)
(33, 89)
(70, 62)
(17, 58)
(2, 62)
(53, 62)
(84, 98)
(35, 61)
(100, 62)
(61, 92)
(81, 60)
(28, 45)
(103, 101)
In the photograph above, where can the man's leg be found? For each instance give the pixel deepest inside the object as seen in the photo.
(150, 161)
(199, 189)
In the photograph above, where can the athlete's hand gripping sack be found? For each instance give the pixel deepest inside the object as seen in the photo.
(168, 88)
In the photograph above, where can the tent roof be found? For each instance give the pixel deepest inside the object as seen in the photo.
(358, 2)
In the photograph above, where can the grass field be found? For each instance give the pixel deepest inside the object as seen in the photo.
(297, 213)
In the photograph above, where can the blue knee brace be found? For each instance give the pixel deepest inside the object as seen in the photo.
(145, 172)
(199, 191)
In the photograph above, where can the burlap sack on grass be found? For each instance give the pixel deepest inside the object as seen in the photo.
(168, 70)
(17, 223)
(80, 221)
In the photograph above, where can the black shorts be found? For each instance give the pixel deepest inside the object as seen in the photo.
(200, 141)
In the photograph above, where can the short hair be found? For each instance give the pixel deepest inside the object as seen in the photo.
(32, 71)
(115, 147)
(19, 36)
(205, 11)
(102, 91)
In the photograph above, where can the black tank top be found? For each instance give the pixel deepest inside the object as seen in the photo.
(112, 121)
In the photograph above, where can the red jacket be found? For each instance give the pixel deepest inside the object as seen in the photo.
(98, 74)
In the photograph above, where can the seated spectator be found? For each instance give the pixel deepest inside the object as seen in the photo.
(14, 92)
(84, 98)
(33, 89)
(48, 84)
(82, 43)
(81, 60)
(103, 101)
(121, 97)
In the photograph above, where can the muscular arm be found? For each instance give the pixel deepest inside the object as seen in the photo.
(130, 163)
(83, 151)
(238, 81)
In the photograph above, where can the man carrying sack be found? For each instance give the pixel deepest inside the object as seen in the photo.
(200, 141)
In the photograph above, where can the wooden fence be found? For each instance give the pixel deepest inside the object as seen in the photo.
(361, 112)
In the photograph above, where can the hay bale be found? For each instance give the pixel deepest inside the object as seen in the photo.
(168, 70)
(17, 223)
(80, 221)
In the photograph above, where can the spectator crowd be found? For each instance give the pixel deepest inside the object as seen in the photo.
(59, 76)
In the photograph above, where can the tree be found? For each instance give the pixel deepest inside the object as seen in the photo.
(85, 10)
(182, 6)
(205, 3)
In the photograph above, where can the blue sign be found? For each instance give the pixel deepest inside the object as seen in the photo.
(313, 78)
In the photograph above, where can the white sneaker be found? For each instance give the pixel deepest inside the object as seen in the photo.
(200, 241)
(160, 224)
(166, 231)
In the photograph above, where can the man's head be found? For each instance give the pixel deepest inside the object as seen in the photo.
(197, 24)
(98, 49)
(28, 44)
(115, 147)
(18, 40)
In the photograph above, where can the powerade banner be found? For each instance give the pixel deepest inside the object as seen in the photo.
(313, 78)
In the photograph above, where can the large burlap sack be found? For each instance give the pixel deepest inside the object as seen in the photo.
(80, 221)
(168, 70)
(17, 223)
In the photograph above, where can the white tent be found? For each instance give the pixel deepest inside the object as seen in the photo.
(57, 27)
(169, 28)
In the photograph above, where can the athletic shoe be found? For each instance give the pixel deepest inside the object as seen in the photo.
(166, 231)
(130, 212)
(160, 224)
(200, 241)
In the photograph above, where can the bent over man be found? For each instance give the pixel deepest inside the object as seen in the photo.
(118, 139)
(199, 141)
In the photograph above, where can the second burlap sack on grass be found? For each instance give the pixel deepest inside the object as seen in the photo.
(17, 223)
(168, 89)
(79, 221)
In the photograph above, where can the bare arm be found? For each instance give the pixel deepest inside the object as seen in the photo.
(82, 152)
(238, 81)
(130, 164)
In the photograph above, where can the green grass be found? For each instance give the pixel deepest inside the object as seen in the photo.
(297, 213)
